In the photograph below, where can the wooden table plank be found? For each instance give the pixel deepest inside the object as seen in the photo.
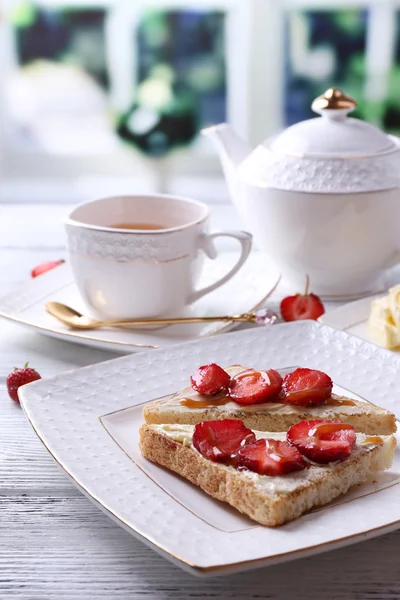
(66, 548)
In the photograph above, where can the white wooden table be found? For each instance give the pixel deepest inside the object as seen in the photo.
(54, 543)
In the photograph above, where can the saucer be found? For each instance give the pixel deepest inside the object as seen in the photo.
(246, 291)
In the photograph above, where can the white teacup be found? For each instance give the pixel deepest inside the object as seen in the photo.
(150, 264)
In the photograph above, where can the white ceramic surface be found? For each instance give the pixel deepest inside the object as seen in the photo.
(331, 216)
(123, 273)
(245, 291)
(352, 318)
(65, 412)
(344, 242)
(330, 154)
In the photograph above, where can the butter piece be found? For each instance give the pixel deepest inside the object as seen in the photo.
(384, 320)
(394, 304)
(179, 433)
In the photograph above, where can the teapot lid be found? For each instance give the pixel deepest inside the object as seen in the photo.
(335, 134)
(333, 153)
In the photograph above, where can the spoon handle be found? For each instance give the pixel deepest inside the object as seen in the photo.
(244, 318)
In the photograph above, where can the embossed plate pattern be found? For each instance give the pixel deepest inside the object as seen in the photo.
(65, 411)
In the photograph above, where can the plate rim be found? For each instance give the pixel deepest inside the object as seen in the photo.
(183, 562)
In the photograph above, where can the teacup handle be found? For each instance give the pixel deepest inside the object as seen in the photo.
(245, 240)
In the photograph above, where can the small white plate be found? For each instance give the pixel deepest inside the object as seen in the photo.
(71, 414)
(246, 291)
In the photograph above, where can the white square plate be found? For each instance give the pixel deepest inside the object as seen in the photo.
(71, 414)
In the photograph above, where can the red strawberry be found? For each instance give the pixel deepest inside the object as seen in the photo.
(323, 441)
(46, 266)
(254, 387)
(270, 457)
(302, 306)
(221, 440)
(307, 387)
(209, 380)
(20, 377)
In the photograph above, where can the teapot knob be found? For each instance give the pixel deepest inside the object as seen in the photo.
(334, 104)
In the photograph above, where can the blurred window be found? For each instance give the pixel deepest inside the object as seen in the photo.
(324, 49)
(356, 49)
(67, 35)
(89, 84)
(59, 96)
(186, 48)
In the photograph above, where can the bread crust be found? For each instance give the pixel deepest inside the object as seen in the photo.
(229, 485)
(379, 423)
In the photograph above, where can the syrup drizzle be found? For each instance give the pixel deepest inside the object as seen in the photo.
(373, 439)
(207, 402)
(220, 401)
(339, 402)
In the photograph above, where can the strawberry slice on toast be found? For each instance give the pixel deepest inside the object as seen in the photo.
(266, 401)
(272, 479)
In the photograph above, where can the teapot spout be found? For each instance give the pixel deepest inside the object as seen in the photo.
(232, 151)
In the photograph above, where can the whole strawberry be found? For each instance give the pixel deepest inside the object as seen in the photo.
(46, 266)
(20, 377)
(302, 306)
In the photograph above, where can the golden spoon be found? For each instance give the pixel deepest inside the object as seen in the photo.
(74, 319)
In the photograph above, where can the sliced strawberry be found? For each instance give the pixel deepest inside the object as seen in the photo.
(210, 379)
(46, 266)
(323, 441)
(254, 387)
(300, 306)
(221, 440)
(270, 457)
(306, 387)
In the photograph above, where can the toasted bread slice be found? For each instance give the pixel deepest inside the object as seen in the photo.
(270, 416)
(271, 501)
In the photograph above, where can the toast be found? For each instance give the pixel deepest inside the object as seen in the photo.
(270, 416)
(270, 501)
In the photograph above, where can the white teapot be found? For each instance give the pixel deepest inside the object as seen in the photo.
(321, 198)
